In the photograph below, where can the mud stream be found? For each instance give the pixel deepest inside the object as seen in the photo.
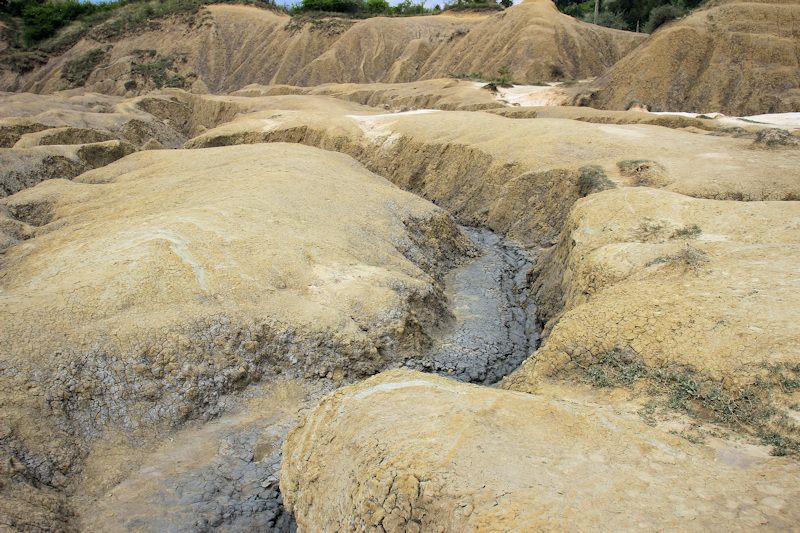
(495, 327)
(224, 474)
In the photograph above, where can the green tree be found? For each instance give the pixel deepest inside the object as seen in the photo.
(335, 6)
(377, 6)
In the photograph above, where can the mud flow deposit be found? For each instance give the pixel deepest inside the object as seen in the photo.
(473, 269)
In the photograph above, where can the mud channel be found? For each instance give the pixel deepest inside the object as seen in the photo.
(223, 475)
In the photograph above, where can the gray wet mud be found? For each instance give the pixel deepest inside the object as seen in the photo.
(223, 476)
(495, 328)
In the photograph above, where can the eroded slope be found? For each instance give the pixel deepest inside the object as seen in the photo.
(223, 48)
(737, 57)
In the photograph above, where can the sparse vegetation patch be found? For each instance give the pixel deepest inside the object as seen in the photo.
(593, 179)
(687, 232)
(77, 71)
(749, 408)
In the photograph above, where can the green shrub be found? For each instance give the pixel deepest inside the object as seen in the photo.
(334, 6)
(376, 6)
(158, 71)
(406, 7)
(474, 5)
(609, 19)
(661, 15)
(43, 20)
(77, 71)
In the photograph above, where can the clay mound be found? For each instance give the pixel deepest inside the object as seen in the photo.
(223, 48)
(142, 292)
(737, 57)
(405, 451)
(666, 279)
(537, 43)
(21, 168)
(74, 117)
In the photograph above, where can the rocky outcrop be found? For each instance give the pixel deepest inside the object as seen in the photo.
(405, 451)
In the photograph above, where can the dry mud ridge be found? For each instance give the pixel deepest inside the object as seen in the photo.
(415, 452)
(169, 316)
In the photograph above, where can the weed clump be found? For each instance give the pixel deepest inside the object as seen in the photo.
(687, 232)
(593, 179)
(775, 138)
(615, 369)
(683, 388)
(644, 173)
(689, 257)
(650, 229)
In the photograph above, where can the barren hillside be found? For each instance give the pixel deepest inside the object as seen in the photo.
(222, 48)
(737, 57)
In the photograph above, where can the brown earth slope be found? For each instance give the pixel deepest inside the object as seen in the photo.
(739, 57)
(225, 47)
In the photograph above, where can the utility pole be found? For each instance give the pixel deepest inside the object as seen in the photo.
(596, 10)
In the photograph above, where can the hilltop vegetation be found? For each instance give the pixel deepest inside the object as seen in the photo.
(37, 23)
(32, 22)
(644, 15)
